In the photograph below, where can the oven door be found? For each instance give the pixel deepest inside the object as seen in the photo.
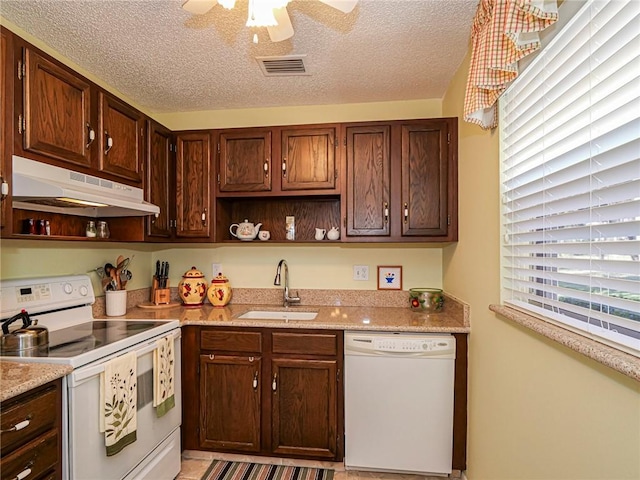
(156, 452)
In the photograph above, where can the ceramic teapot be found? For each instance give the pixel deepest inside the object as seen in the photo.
(245, 230)
(219, 293)
(193, 287)
(333, 234)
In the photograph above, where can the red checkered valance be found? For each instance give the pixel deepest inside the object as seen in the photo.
(503, 32)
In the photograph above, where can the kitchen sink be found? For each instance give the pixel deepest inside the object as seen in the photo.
(277, 315)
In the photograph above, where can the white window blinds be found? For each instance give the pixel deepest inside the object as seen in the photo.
(570, 142)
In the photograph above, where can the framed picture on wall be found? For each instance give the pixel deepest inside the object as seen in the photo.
(389, 277)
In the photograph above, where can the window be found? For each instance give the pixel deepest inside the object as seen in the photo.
(570, 143)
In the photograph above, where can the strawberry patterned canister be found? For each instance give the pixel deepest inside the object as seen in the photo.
(219, 292)
(192, 288)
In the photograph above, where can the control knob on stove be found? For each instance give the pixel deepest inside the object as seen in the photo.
(67, 288)
(84, 290)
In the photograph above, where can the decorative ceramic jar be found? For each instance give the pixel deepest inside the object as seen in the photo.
(426, 299)
(193, 287)
(219, 292)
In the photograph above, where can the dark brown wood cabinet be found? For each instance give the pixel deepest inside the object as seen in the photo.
(36, 446)
(121, 133)
(193, 185)
(160, 181)
(401, 181)
(264, 391)
(54, 113)
(6, 130)
(368, 193)
(244, 160)
(308, 158)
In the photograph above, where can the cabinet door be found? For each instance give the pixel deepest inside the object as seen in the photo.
(304, 407)
(121, 134)
(230, 403)
(309, 159)
(245, 160)
(56, 111)
(6, 131)
(159, 187)
(193, 195)
(368, 180)
(424, 179)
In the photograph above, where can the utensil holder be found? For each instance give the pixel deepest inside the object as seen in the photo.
(116, 302)
(160, 296)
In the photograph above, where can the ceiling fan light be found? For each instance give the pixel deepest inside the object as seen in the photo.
(228, 4)
(260, 14)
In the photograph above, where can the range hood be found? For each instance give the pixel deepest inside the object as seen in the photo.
(46, 188)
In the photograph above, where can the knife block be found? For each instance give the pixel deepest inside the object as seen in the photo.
(160, 296)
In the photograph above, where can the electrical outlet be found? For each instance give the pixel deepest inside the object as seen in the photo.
(361, 272)
(216, 268)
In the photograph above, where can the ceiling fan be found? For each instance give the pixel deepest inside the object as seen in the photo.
(265, 13)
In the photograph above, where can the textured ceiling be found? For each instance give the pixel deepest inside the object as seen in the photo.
(167, 60)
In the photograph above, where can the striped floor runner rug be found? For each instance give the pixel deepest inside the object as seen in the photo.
(223, 470)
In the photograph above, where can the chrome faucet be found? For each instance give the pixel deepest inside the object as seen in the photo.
(287, 300)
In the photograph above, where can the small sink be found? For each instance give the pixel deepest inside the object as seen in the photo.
(278, 315)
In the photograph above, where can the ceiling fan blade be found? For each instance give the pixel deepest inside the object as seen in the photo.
(198, 7)
(284, 29)
(345, 6)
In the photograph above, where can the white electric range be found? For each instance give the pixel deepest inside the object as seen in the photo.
(63, 305)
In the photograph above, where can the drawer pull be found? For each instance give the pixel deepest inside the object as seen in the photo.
(18, 426)
(23, 474)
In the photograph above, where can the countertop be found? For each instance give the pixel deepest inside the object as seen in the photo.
(18, 377)
(454, 318)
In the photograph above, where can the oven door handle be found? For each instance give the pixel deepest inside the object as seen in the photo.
(78, 376)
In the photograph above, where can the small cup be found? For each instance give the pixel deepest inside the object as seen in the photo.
(320, 232)
(264, 235)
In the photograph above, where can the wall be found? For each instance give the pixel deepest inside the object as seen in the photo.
(536, 409)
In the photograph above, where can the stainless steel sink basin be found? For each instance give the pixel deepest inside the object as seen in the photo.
(277, 315)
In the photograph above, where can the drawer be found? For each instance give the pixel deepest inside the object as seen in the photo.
(39, 412)
(231, 341)
(39, 455)
(305, 343)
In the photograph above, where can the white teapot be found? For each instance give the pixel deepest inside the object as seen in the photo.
(245, 231)
(333, 234)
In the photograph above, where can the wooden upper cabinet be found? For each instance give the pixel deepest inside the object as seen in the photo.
(121, 138)
(6, 131)
(425, 179)
(193, 192)
(368, 180)
(245, 160)
(309, 158)
(56, 111)
(160, 179)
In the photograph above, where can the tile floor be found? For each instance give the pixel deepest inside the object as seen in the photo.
(195, 463)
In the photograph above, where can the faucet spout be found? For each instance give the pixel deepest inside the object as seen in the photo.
(287, 300)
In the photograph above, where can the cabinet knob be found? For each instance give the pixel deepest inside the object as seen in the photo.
(108, 142)
(255, 380)
(274, 382)
(406, 213)
(284, 167)
(91, 135)
(385, 211)
(266, 169)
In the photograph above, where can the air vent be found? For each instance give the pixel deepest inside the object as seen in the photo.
(289, 65)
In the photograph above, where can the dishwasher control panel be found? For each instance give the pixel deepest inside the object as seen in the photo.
(374, 343)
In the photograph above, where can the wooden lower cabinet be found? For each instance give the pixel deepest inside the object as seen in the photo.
(230, 402)
(33, 450)
(274, 392)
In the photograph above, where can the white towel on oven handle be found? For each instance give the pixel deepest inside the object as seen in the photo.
(163, 376)
(118, 402)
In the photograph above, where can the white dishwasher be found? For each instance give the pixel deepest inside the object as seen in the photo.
(399, 402)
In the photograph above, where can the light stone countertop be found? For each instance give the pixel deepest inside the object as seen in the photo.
(17, 377)
(454, 317)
